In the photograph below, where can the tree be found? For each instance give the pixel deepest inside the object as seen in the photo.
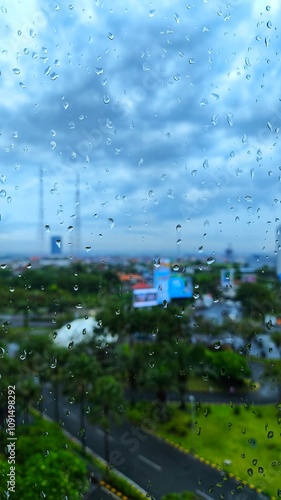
(131, 361)
(181, 361)
(272, 370)
(44, 468)
(107, 400)
(228, 367)
(276, 338)
(28, 391)
(257, 300)
(80, 372)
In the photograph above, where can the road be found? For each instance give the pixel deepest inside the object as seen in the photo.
(150, 462)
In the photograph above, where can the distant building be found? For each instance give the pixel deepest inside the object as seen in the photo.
(229, 254)
(56, 245)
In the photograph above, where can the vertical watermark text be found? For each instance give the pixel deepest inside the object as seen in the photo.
(11, 439)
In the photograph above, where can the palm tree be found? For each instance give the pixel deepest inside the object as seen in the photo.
(81, 372)
(107, 400)
(131, 360)
(28, 391)
(181, 361)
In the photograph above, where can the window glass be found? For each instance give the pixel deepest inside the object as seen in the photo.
(140, 249)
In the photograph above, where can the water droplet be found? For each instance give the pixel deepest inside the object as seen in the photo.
(3, 266)
(99, 71)
(47, 71)
(249, 199)
(16, 71)
(270, 434)
(58, 243)
(140, 163)
(215, 119)
(156, 262)
(23, 356)
(70, 345)
(229, 119)
(260, 470)
(12, 289)
(2, 352)
(47, 227)
(71, 400)
(177, 18)
(110, 222)
(269, 24)
(79, 306)
(250, 471)
(46, 453)
(196, 296)
(3, 193)
(178, 228)
(176, 267)
(151, 193)
(54, 76)
(53, 363)
(70, 228)
(203, 102)
(191, 60)
(210, 260)
(170, 194)
(217, 344)
(106, 99)
(151, 364)
(268, 7)
(205, 163)
(267, 41)
(110, 36)
(88, 248)
(151, 13)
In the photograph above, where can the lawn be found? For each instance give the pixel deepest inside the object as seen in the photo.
(243, 440)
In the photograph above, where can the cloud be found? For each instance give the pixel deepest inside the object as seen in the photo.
(169, 113)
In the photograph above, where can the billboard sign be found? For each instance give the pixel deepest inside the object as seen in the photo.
(180, 287)
(145, 297)
(227, 278)
(161, 277)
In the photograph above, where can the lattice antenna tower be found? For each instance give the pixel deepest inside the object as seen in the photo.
(78, 218)
(41, 211)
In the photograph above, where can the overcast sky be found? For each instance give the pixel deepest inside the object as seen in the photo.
(169, 112)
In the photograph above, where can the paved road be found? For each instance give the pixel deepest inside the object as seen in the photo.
(153, 464)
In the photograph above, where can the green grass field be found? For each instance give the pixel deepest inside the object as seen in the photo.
(248, 438)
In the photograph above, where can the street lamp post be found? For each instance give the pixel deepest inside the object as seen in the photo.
(192, 413)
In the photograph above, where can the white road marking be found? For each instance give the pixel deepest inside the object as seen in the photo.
(150, 463)
(203, 495)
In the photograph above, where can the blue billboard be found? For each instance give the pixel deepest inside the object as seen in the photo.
(180, 287)
(171, 285)
(161, 277)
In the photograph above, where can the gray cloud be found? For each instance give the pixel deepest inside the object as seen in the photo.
(170, 115)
